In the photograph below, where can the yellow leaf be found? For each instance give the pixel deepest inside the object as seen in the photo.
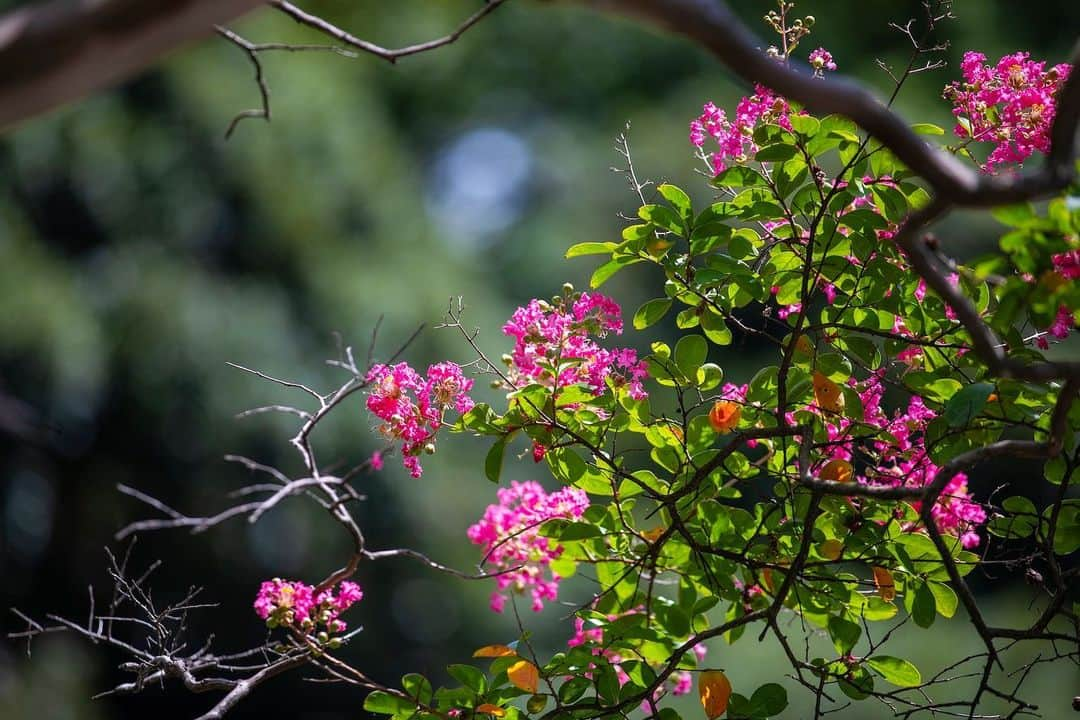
(494, 651)
(883, 581)
(524, 676)
(831, 549)
(827, 394)
(489, 709)
(715, 690)
(837, 471)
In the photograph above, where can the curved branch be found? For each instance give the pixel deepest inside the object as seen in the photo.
(711, 24)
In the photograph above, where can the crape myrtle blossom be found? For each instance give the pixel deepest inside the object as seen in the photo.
(734, 137)
(821, 60)
(1011, 103)
(554, 345)
(679, 683)
(411, 406)
(902, 460)
(290, 603)
(508, 534)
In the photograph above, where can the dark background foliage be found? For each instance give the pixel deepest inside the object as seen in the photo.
(139, 252)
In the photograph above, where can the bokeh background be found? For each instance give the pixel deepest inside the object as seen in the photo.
(140, 251)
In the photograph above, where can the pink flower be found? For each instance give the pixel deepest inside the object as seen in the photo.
(733, 139)
(376, 460)
(1011, 104)
(1068, 264)
(292, 603)
(1063, 323)
(554, 346)
(508, 534)
(821, 60)
(411, 407)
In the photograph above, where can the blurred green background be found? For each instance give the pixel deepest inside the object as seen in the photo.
(140, 251)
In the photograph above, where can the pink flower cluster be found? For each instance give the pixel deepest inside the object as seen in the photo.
(679, 683)
(554, 346)
(902, 460)
(735, 139)
(1011, 103)
(292, 603)
(508, 535)
(1060, 328)
(411, 406)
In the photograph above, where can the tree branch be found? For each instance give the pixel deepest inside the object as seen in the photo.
(712, 24)
(55, 52)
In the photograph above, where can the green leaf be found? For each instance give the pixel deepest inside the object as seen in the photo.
(383, 703)
(805, 125)
(923, 606)
(678, 198)
(944, 598)
(1067, 534)
(739, 176)
(927, 129)
(967, 403)
(844, 634)
(417, 687)
(664, 217)
(494, 460)
(603, 273)
(769, 699)
(1014, 215)
(590, 248)
(896, 670)
(573, 689)
(468, 676)
(690, 354)
(1021, 521)
(715, 328)
(776, 153)
(651, 313)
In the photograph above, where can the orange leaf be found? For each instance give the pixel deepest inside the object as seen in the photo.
(804, 347)
(654, 534)
(837, 471)
(724, 416)
(524, 676)
(827, 394)
(883, 581)
(767, 579)
(489, 709)
(494, 651)
(715, 690)
(657, 246)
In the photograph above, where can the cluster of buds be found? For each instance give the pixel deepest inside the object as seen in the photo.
(790, 34)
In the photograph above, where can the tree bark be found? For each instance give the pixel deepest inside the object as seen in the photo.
(55, 52)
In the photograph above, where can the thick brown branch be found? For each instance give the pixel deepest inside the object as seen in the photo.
(55, 52)
(711, 24)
